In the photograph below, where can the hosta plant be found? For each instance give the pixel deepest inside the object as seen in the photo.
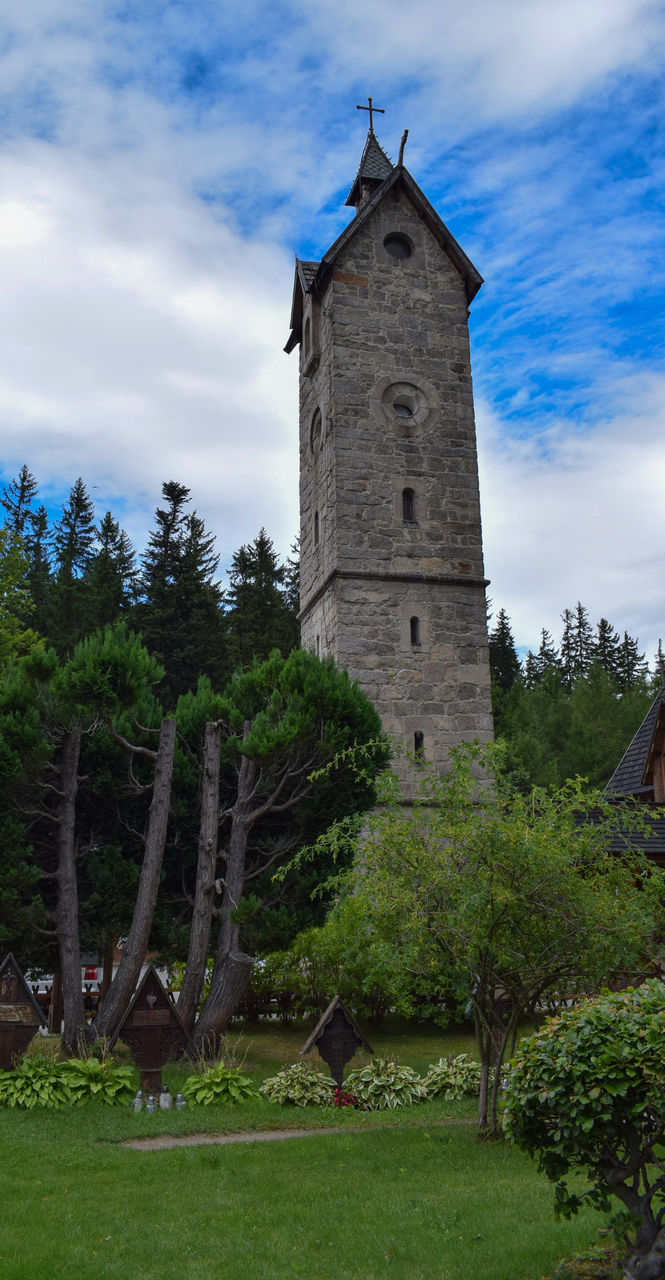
(92, 1078)
(219, 1083)
(300, 1086)
(453, 1078)
(383, 1084)
(36, 1082)
(39, 1081)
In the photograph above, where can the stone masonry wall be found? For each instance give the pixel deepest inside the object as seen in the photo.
(393, 390)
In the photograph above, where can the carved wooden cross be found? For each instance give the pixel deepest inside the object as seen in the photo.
(371, 110)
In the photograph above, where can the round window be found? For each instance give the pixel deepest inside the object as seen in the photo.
(397, 246)
(406, 403)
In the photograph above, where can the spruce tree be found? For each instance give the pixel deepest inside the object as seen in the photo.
(17, 499)
(632, 669)
(605, 648)
(180, 614)
(504, 662)
(73, 539)
(111, 574)
(259, 604)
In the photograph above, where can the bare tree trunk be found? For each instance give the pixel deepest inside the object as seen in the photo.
(231, 968)
(221, 1004)
(122, 987)
(66, 909)
(199, 938)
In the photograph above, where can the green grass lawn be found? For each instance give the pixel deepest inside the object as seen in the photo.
(412, 1195)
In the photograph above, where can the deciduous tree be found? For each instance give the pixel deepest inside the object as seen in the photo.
(517, 894)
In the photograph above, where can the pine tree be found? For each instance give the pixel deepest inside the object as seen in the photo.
(605, 648)
(583, 641)
(538, 665)
(73, 540)
(567, 648)
(17, 498)
(504, 662)
(632, 670)
(259, 610)
(180, 613)
(37, 545)
(111, 574)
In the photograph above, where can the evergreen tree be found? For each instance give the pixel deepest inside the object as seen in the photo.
(605, 648)
(73, 538)
(542, 663)
(632, 669)
(111, 574)
(567, 649)
(260, 604)
(583, 641)
(17, 499)
(504, 662)
(37, 545)
(180, 613)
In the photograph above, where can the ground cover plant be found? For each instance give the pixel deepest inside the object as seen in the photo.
(440, 1203)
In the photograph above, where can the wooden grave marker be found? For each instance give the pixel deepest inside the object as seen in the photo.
(337, 1036)
(20, 1015)
(152, 1029)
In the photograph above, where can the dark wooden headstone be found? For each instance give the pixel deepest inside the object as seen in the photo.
(152, 1029)
(337, 1036)
(20, 1015)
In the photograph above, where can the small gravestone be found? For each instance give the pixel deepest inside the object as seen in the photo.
(153, 1030)
(337, 1036)
(20, 1015)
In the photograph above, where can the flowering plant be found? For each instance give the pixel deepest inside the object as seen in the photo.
(344, 1098)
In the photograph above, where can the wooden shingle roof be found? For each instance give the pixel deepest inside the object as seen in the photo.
(631, 776)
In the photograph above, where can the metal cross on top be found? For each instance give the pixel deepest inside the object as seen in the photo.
(371, 110)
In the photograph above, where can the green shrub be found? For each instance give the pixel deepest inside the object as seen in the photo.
(300, 1086)
(92, 1078)
(36, 1082)
(219, 1083)
(40, 1081)
(586, 1094)
(384, 1084)
(453, 1078)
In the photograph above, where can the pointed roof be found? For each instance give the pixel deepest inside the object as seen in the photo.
(374, 167)
(18, 1003)
(633, 775)
(335, 1004)
(313, 277)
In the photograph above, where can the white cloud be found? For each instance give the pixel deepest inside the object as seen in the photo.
(132, 359)
(573, 516)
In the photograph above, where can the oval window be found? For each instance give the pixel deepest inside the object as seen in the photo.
(397, 246)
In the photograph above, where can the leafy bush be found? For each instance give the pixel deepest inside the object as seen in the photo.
(587, 1093)
(40, 1081)
(92, 1078)
(219, 1083)
(453, 1078)
(36, 1082)
(300, 1086)
(384, 1084)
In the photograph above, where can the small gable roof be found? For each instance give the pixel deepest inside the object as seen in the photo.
(335, 1003)
(633, 775)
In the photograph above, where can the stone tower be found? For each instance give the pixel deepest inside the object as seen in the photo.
(392, 579)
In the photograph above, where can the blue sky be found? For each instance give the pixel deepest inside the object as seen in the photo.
(160, 164)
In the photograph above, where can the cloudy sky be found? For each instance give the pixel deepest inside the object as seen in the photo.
(161, 161)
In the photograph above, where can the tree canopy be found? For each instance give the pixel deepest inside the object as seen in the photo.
(510, 898)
